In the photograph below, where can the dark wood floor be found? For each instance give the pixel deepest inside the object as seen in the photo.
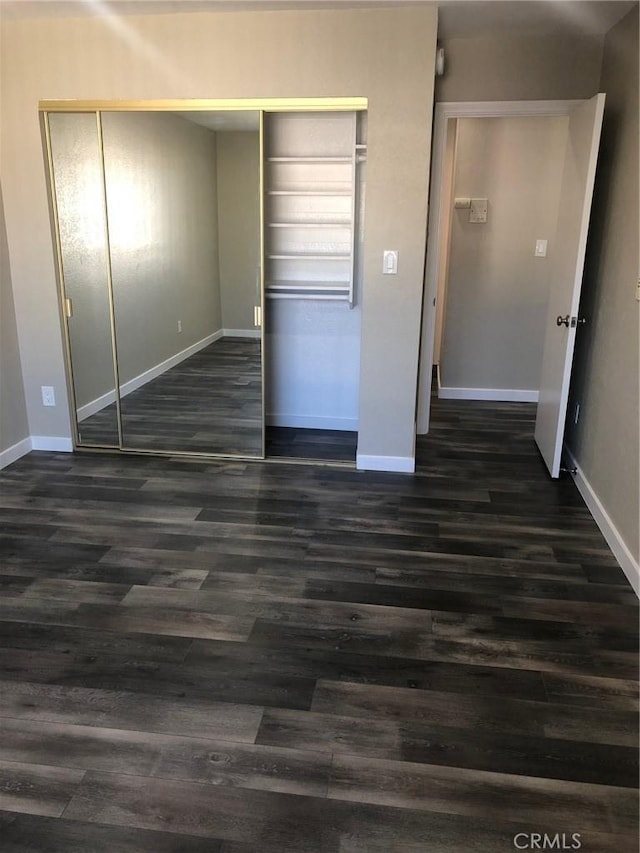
(320, 445)
(251, 657)
(209, 403)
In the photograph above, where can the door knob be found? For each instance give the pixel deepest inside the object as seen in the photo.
(563, 321)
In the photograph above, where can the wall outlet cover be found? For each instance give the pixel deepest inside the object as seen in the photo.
(48, 395)
(478, 211)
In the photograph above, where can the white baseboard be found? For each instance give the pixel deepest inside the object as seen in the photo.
(498, 395)
(312, 422)
(241, 333)
(15, 452)
(628, 563)
(400, 464)
(138, 381)
(51, 442)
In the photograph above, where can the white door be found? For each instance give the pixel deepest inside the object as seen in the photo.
(585, 123)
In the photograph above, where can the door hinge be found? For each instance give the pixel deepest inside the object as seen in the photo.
(68, 307)
(257, 315)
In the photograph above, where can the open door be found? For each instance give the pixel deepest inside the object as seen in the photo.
(585, 124)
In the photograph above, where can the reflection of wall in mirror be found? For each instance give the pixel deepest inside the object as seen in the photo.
(161, 190)
(238, 227)
(80, 205)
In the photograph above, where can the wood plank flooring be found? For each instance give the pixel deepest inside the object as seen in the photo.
(209, 403)
(320, 445)
(231, 657)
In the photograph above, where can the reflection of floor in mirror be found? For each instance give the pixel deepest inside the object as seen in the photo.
(209, 403)
(320, 444)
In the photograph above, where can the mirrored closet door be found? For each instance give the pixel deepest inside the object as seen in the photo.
(159, 236)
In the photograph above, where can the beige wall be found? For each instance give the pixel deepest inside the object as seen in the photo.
(520, 68)
(386, 55)
(605, 380)
(160, 173)
(14, 426)
(238, 161)
(497, 290)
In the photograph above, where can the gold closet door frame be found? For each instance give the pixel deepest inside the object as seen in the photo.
(259, 105)
(267, 105)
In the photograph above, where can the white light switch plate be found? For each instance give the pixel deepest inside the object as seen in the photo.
(389, 262)
(541, 249)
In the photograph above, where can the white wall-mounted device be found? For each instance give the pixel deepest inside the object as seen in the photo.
(390, 262)
(478, 211)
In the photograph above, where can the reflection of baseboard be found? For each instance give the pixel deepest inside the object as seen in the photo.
(241, 333)
(311, 422)
(138, 381)
(498, 395)
(96, 405)
(628, 563)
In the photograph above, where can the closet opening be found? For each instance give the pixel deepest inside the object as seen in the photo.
(315, 178)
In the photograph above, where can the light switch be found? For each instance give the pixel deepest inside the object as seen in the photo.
(390, 262)
(478, 212)
(541, 249)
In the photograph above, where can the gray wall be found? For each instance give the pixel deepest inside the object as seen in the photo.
(497, 289)
(160, 173)
(238, 166)
(384, 54)
(14, 426)
(605, 380)
(520, 68)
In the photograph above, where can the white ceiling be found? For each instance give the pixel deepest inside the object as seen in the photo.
(457, 18)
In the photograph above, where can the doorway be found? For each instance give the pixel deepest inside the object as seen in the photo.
(490, 330)
(497, 240)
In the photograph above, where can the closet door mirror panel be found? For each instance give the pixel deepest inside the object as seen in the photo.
(79, 197)
(183, 201)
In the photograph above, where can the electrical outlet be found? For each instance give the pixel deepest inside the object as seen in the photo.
(478, 210)
(48, 395)
(179, 325)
